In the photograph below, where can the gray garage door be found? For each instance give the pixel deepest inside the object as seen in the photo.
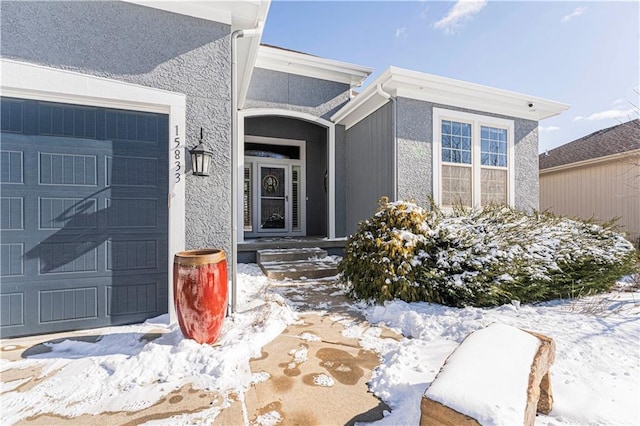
(84, 218)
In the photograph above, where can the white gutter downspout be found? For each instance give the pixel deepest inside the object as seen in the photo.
(234, 158)
(394, 130)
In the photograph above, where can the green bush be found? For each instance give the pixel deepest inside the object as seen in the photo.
(482, 257)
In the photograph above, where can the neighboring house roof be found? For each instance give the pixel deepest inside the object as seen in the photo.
(446, 91)
(293, 62)
(603, 143)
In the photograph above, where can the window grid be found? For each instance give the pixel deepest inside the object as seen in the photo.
(456, 142)
(493, 146)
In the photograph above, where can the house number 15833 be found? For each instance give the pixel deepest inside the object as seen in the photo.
(177, 156)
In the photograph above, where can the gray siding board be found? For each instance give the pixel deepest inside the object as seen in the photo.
(275, 89)
(316, 160)
(369, 165)
(153, 48)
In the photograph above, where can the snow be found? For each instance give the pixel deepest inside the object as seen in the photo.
(323, 380)
(269, 419)
(123, 372)
(595, 377)
(487, 376)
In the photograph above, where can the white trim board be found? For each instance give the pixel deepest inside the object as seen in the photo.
(410, 84)
(29, 81)
(290, 62)
(331, 166)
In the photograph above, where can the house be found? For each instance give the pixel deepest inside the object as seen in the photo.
(596, 177)
(103, 101)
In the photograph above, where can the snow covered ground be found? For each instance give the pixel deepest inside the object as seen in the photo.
(595, 378)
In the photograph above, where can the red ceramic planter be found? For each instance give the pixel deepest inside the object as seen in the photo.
(200, 293)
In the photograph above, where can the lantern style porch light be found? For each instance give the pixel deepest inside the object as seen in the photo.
(200, 158)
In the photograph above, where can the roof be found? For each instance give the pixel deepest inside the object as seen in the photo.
(293, 62)
(405, 83)
(603, 143)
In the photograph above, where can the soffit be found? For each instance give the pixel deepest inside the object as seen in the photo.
(291, 62)
(404, 83)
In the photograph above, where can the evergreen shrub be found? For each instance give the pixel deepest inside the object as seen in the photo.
(484, 257)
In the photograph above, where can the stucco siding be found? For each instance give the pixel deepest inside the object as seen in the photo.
(149, 47)
(415, 150)
(526, 165)
(369, 165)
(275, 89)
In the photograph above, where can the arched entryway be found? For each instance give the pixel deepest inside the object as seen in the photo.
(286, 175)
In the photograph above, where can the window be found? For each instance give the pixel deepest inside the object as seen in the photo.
(493, 165)
(473, 157)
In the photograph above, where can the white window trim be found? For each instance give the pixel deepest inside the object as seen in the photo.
(255, 161)
(29, 81)
(476, 121)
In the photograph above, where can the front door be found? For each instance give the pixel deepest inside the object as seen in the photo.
(273, 201)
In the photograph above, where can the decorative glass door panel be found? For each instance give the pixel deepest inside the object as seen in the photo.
(273, 198)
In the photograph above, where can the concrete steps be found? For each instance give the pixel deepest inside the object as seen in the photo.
(296, 264)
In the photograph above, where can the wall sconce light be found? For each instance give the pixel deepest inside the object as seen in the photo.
(200, 158)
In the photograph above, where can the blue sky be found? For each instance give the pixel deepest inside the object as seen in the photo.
(586, 54)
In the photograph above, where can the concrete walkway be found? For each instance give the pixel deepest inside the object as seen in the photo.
(313, 374)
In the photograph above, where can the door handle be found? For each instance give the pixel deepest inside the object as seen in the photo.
(286, 198)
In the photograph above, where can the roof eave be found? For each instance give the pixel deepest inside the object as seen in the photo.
(441, 90)
(239, 14)
(311, 66)
(605, 158)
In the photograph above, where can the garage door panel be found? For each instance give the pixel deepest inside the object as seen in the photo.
(139, 128)
(11, 259)
(67, 169)
(132, 255)
(131, 171)
(68, 304)
(12, 117)
(68, 213)
(69, 257)
(132, 212)
(84, 217)
(12, 309)
(135, 298)
(11, 213)
(11, 165)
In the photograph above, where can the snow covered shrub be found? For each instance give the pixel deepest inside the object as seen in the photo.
(482, 257)
(384, 255)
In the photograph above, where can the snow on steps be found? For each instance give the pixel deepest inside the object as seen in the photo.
(295, 264)
(497, 376)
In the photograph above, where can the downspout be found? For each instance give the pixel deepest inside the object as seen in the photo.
(394, 130)
(234, 158)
